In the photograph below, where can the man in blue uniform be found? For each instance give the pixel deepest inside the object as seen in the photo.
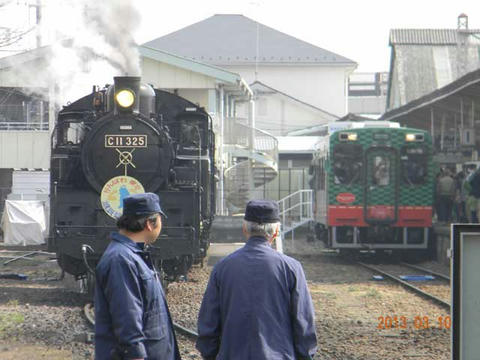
(257, 304)
(132, 320)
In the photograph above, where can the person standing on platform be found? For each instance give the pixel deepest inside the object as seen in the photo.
(473, 186)
(257, 304)
(445, 196)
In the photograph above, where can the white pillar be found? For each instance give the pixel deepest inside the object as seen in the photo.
(432, 129)
(220, 150)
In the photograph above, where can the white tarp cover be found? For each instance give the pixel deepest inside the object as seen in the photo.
(23, 222)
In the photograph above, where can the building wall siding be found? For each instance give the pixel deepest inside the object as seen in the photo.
(419, 69)
(165, 76)
(323, 87)
(25, 149)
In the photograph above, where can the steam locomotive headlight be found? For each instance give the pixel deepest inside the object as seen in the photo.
(125, 98)
(410, 137)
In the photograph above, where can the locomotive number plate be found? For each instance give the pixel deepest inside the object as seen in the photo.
(128, 141)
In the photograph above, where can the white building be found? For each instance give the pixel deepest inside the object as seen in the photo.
(279, 113)
(257, 52)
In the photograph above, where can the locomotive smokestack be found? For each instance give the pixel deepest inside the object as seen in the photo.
(126, 94)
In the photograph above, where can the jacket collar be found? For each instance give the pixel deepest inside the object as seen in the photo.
(124, 240)
(257, 240)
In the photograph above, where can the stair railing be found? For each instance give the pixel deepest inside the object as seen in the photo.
(295, 210)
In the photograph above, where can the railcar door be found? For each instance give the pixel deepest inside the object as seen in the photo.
(381, 181)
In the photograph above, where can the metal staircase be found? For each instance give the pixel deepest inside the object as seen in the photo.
(252, 160)
(296, 210)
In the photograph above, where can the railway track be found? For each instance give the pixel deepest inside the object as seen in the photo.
(405, 283)
(425, 270)
(89, 312)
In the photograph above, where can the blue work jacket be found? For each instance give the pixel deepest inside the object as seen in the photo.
(131, 313)
(257, 306)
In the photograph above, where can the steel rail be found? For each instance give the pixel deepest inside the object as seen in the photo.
(434, 273)
(89, 312)
(185, 331)
(408, 286)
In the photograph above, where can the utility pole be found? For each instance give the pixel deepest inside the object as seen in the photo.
(38, 20)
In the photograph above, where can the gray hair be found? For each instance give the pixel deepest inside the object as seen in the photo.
(266, 230)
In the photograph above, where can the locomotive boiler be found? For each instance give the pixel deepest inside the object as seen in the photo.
(124, 139)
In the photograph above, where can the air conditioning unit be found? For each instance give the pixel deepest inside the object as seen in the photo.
(468, 137)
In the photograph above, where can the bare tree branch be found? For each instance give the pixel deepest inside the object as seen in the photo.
(11, 36)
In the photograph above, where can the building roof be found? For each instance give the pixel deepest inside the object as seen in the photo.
(259, 87)
(468, 85)
(26, 56)
(232, 39)
(427, 36)
(221, 75)
(187, 64)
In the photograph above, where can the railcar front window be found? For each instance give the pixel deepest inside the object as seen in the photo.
(414, 165)
(381, 171)
(347, 164)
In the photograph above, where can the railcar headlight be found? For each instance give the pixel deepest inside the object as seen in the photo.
(410, 137)
(414, 137)
(125, 98)
(347, 136)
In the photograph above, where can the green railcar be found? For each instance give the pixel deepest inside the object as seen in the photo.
(375, 188)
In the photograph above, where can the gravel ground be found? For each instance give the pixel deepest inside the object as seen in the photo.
(41, 317)
(357, 318)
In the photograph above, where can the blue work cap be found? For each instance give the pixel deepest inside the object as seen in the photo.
(142, 204)
(262, 211)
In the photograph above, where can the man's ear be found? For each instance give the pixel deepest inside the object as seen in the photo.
(275, 235)
(149, 225)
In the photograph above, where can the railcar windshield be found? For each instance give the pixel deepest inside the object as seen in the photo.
(347, 163)
(381, 170)
(414, 165)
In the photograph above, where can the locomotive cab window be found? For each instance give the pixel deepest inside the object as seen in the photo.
(71, 133)
(347, 163)
(414, 165)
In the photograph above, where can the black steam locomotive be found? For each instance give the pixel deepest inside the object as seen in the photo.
(124, 139)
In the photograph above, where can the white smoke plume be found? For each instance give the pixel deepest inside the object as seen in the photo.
(90, 42)
(99, 43)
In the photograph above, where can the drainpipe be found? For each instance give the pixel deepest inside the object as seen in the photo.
(222, 140)
(432, 128)
(51, 106)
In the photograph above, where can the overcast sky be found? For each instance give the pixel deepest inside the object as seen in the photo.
(352, 28)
